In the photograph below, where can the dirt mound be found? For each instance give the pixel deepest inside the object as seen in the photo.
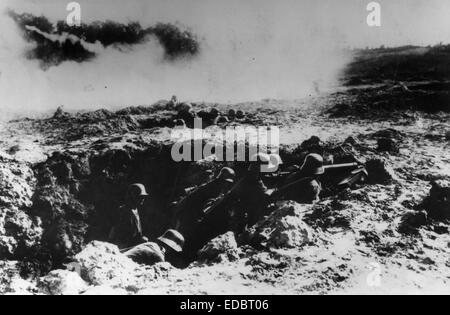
(103, 264)
(387, 102)
(379, 172)
(99, 268)
(406, 63)
(17, 183)
(283, 228)
(222, 248)
(62, 282)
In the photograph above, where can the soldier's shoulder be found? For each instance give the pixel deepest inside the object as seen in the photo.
(152, 245)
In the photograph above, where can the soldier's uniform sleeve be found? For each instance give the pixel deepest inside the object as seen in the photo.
(191, 209)
(117, 228)
(126, 231)
(262, 187)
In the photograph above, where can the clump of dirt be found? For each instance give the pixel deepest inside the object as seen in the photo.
(329, 215)
(379, 172)
(283, 228)
(98, 269)
(437, 204)
(62, 282)
(412, 220)
(17, 184)
(102, 264)
(20, 230)
(221, 249)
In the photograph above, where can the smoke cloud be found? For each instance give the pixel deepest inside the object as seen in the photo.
(60, 43)
(224, 56)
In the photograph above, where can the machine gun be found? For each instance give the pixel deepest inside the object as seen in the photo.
(325, 167)
(358, 173)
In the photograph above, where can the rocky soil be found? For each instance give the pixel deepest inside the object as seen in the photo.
(62, 177)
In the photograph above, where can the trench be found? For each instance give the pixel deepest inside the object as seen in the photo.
(79, 192)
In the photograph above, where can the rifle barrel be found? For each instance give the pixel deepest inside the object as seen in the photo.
(340, 166)
(219, 201)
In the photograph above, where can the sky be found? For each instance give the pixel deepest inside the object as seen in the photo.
(419, 22)
(251, 49)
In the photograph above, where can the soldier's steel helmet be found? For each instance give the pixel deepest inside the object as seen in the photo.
(137, 190)
(214, 112)
(173, 239)
(221, 120)
(227, 174)
(240, 114)
(313, 165)
(180, 123)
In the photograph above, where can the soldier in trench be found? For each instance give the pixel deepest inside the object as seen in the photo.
(250, 195)
(191, 220)
(128, 234)
(303, 186)
(165, 248)
(127, 230)
(240, 205)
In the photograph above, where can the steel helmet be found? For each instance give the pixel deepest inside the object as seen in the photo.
(313, 165)
(137, 190)
(173, 239)
(221, 120)
(240, 114)
(180, 123)
(227, 174)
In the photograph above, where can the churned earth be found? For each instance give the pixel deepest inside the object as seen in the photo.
(61, 176)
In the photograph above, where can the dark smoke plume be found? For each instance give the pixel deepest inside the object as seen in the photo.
(58, 43)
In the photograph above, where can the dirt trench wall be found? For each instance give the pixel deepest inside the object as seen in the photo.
(49, 211)
(78, 192)
(19, 231)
